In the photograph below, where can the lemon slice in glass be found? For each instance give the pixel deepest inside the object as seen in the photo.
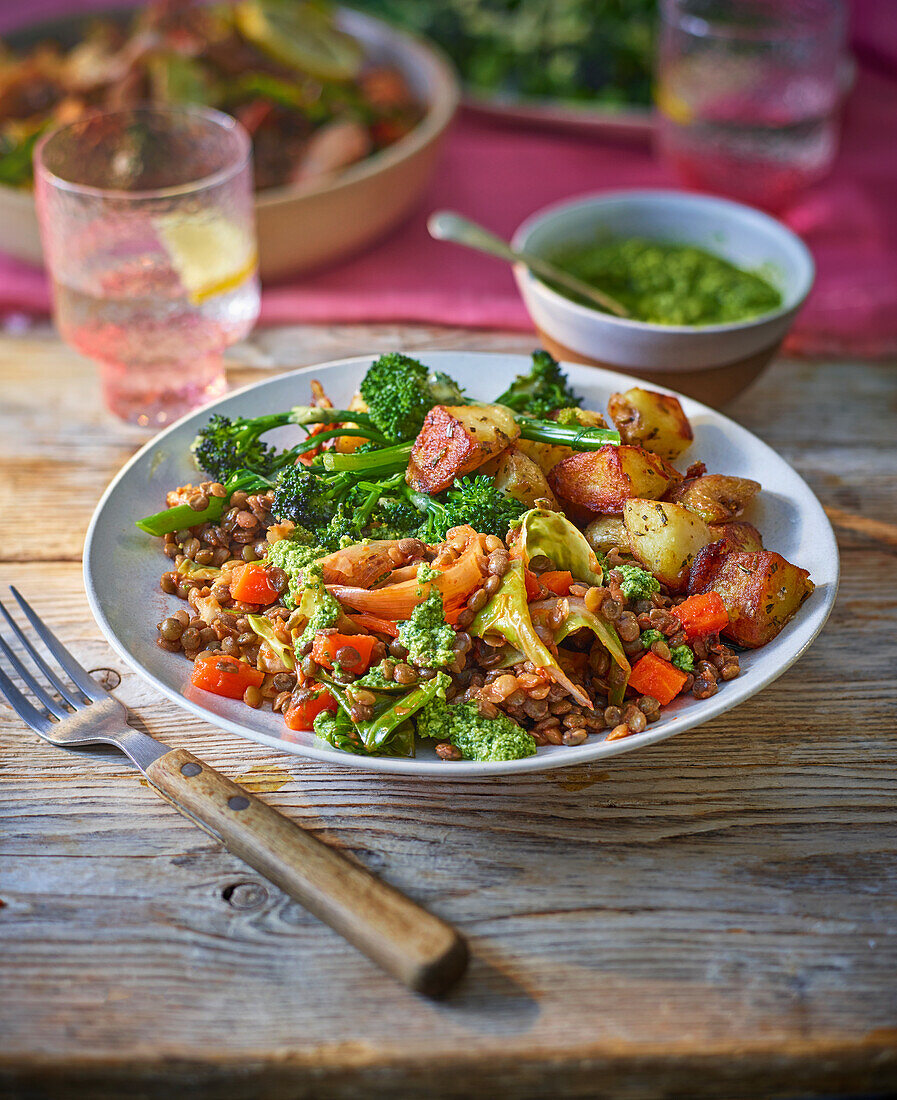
(210, 254)
(301, 35)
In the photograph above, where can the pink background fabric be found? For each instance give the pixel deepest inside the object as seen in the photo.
(499, 174)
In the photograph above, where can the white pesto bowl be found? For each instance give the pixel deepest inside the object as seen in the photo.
(709, 362)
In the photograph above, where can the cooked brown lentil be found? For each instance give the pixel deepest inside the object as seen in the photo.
(525, 694)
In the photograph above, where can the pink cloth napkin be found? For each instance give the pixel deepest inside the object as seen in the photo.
(499, 174)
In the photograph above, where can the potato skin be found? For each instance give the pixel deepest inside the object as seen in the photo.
(607, 533)
(738, 535)
(545, 455)
(651, 420)
(728, 537)
(603, 480)
(716, 498)
(456, 439)
(706, 565)
(517, 475)
(762, 591)
(665, 538)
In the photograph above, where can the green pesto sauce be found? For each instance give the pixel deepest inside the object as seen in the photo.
(670, 284)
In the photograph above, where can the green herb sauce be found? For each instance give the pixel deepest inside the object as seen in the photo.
(670, 284)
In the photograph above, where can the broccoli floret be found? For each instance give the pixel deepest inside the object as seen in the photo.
(478, 738)
(683, 658)
(480, 504)
(304, 497)
(292, 555)
(397, 395)
(399, 392)
(336, 508)
(225, 446)
(541, 391)
(649, 637)
(445, 390)
(427, 636)
(394, 518)
(342, 530)
(477, 502)
(637, 584)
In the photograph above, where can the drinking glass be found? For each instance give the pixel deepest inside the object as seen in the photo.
(748, 93)
(148, 232)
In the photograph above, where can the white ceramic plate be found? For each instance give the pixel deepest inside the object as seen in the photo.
(122, 566)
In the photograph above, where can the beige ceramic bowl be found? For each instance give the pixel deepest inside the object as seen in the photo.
(712, 363)
(302, 229)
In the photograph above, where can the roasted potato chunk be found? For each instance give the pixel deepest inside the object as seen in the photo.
(651, 420)
(607, 533)
(517, 475)
(585, 418)
(545, 455)
(602, 480)
(716, 498)
(738, 535)
(456, 439)
(665, 538)
(761, 591)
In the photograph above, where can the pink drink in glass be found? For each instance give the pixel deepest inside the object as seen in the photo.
(154, 282)
(748, 93)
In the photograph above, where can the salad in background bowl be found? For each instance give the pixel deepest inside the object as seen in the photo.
(345, 112)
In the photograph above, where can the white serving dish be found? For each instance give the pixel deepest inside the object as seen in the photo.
(122, 565)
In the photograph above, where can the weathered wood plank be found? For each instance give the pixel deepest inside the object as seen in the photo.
(680, 877)
(711, 916)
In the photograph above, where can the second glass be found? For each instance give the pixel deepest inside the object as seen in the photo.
(748, 93)
(148, 231)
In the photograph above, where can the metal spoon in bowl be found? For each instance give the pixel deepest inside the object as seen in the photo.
(444, 225)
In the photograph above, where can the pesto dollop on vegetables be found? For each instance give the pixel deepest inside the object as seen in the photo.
(478, 738)
(426, 635)
(637, 584)
(292, 555)
(669, 284)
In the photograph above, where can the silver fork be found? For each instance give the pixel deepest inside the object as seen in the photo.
(71, 710)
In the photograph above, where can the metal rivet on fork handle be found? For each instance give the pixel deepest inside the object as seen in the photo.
(238, 802)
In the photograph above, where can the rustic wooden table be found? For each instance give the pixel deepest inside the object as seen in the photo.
(714, 916)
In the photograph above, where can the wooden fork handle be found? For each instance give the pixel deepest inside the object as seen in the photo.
(419, 949)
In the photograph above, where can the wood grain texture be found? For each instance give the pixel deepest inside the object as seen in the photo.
(713, 916)
(417, 948)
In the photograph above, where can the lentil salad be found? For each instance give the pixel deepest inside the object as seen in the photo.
(569, 624)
